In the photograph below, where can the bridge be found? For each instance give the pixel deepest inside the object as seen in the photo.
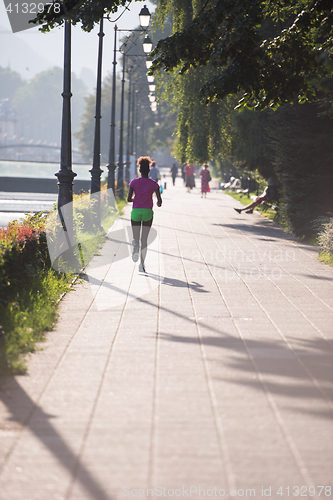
(47, 152)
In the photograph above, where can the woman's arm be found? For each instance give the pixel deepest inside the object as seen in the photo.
(159, 198)
(130, 194)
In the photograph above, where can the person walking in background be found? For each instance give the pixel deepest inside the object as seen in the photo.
(154, 172)
(174, 173)
(189, 176)
(205, 178)
(142, 188)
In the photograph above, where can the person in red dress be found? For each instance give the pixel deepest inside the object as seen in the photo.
(189, 176)
(205, 178)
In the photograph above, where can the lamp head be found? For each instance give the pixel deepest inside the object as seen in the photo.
(147, 44)
(149, 62)
(144, 17)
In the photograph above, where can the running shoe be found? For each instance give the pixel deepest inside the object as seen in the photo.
(142, 268)
(238, 210)
(135, 251)
(249, 211)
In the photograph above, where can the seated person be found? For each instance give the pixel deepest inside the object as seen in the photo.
(270, 194)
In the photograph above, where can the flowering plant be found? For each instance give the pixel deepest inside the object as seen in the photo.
(22, 249)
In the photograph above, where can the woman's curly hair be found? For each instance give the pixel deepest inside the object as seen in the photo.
(144, 163)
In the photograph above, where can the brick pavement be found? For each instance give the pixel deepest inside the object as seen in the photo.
(214, 371)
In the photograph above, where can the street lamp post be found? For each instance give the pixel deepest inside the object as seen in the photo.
(112, 149)
(133, 118)
(137, 128)
(96, 171)
(128, 162)
(144, 17)
(120, 179)
(65, 174)
(142, 132)
(121, 131)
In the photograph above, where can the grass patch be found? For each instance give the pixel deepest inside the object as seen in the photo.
(325, 233)
(326, 258)
(30, 288)
(31, 311)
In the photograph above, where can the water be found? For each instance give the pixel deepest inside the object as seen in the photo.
(41, 170)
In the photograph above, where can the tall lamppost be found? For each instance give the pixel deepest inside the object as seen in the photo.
(133, 118)
(120, 179)
(144, 17)
(128, 163)
(65, 174)
(96, 171)
(131, 113)
(111, 166)
(137, 125)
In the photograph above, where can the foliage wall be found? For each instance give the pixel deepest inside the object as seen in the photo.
(302, 142)
(242, 75)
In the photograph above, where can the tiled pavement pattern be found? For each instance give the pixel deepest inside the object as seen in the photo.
(209, 377)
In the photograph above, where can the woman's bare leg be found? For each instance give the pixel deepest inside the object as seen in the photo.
(146, 225)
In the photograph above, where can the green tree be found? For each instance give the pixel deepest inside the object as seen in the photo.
(230, 36)
(301, 140)
(203, 131)
(265, 54)
(38, 104)
(251, 147)
(10, 82)
(161, 131)
(86, 12)
(85, 133)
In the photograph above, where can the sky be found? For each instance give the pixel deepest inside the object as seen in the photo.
(30, 52)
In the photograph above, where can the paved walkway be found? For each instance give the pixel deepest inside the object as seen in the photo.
(210, 376)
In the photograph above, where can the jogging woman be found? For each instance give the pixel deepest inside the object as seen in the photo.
(142, 213)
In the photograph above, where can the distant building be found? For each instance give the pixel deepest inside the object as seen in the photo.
(8, 123)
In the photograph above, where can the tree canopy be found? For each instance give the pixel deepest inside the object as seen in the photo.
(10, 82)
(272, 56)
(86, 12)
(272, 52)
(37, 103)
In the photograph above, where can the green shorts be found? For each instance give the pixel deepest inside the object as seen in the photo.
(142, 214)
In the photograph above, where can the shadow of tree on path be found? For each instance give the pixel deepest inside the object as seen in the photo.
(273, 358)
(25, 412)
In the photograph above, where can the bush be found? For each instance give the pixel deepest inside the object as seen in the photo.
(325, 238)
(302, 142)
(29, 290)
(23, 251)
